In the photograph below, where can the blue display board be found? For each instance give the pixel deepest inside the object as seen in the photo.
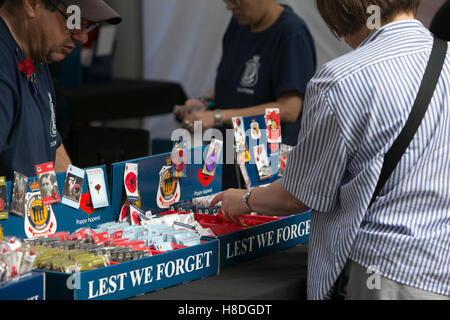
(62, 218)
(273, 151)
(153, 192)
(28, 287)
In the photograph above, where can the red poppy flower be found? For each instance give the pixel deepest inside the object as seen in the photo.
(131, 182)
(27, 67)
(98, 187)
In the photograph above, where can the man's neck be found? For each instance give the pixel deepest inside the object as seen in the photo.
(274, 12)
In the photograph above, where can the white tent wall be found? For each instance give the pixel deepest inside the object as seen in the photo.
(188, 43)
(181, 41)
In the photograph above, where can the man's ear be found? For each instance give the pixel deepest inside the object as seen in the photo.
(31, 7)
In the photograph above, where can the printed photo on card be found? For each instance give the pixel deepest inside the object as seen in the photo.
(255, 132)
(97, 188)
(179, 159)
(262, 162)
(73, 187)
(239, 134)
(17, 206)
(47, 183)
(273, 125)
(212, 157)
(130, 180)
(3, 199)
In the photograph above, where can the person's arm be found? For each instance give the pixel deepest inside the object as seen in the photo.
(62, 159)
(290, 105)
(272, 200)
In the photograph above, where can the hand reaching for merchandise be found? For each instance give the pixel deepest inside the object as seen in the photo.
(232, 206)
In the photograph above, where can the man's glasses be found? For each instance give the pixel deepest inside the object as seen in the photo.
(234, 3)
(84, 26)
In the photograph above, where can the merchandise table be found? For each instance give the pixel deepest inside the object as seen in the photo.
(278, 276)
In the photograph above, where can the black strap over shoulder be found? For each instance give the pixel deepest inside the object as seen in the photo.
(423, 100)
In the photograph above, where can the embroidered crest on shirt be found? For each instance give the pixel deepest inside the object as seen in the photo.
(251, 73)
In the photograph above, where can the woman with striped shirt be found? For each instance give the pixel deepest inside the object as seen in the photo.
(355, 108)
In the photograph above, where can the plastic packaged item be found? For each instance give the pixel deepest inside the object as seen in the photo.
(3, 271)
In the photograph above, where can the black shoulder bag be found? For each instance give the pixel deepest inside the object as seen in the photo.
(423, 100)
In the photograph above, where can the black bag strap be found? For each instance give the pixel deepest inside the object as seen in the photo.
(423, 100)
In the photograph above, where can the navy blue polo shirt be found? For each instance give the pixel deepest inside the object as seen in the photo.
(259, 67)
(28, 134)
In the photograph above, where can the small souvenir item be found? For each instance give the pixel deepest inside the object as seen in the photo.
(17, 206)
(273, 125)
(73, 187)
(262, 162)
(255, 132)
(97, 187)
(212, 157)
(284, 152)
(130, 179)
(47, 183)
(239, 134)
(40, 220)
(124, 212)
(179, 159)
(27, 67)
(244, 172)
(3, 199)
(169, 190)
(135, 214)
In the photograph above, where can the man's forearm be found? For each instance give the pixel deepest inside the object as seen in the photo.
(62, 159)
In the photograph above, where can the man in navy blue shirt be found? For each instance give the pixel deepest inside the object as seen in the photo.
(34, 33)
(268, 58)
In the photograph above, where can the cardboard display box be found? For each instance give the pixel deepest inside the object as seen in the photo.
(136, 277)
(30, 286)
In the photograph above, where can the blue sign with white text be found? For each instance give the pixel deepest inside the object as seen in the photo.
(148, 274)
(264, 239)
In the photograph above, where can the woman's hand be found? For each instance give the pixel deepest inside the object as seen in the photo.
(232, 206)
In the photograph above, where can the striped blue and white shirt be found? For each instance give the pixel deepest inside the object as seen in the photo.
(354, 109)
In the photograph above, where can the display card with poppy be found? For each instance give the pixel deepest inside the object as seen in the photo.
(130, 180)
(97, 187)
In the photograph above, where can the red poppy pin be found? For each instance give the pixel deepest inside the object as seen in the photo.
(27, 67)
